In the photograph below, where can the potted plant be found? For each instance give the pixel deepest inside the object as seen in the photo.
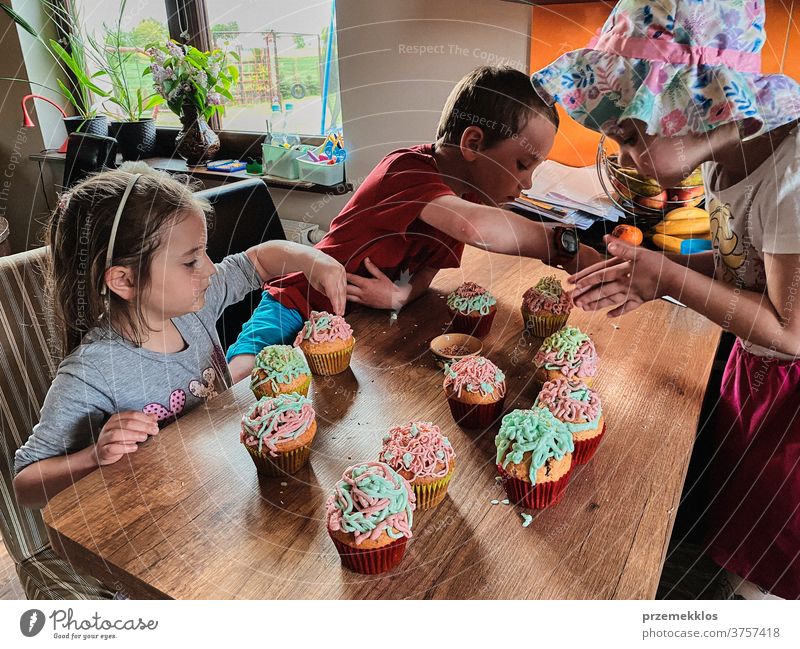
(193, 85)
(71, 54)
(133, 129)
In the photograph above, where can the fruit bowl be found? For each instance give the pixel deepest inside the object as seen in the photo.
(642, 197)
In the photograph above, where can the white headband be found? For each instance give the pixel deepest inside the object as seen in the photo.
(115, 225)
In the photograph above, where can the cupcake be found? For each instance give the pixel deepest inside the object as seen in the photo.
(578, 408)
(280, 369)
(472, 309)
(545, 307)
(369, 517)
(278, 431)
(475, 389)
(568, 353)
(327, 341)
(422, 455)
(534, 457)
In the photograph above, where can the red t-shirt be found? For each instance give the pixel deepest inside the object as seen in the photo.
(381, 222)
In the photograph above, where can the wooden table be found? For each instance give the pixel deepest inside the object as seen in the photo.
(187, 517)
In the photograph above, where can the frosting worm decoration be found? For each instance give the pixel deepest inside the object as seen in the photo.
(471, 297)
(369, 499)
(570, 401)
(418, 447)
(548, 295)
(281, 364)
(278, 419)
(475, 374)
(324, 327)
(570, 351)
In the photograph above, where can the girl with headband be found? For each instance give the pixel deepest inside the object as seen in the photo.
(136, 300)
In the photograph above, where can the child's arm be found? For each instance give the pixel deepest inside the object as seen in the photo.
(38, 482)
(702, 262)
(646, 275)
(324, 273)
(380, 292)
(498, 230)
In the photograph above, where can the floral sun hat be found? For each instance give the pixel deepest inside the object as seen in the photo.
(681, 66)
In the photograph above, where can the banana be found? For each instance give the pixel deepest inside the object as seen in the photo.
(667, 243)
(692, 226)
(686, 214)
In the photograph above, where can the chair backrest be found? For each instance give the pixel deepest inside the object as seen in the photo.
(27, 366)
(244, 215)
(86, 154)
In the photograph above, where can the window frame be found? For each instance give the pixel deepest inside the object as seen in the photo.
(187, 22)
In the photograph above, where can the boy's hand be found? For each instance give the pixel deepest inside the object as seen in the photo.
(328, 276)
(122, 434)
(378, 291)
(586, 257)
(626, 281)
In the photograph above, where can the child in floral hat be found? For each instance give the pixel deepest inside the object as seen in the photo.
(677, 84)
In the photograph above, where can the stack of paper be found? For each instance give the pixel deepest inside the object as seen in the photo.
(571, 195)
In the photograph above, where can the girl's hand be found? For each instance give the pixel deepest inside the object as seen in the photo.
(378, 291)
(122, 434)
(328, 276)
(628, 280)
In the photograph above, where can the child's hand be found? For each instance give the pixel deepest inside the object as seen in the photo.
(329, 277)
(378, 291)
(628, 280)
(121, 434)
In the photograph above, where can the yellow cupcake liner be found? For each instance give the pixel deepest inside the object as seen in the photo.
(283, 464)
(431, 494)
(265, 389)
(543, 325)
(330, 363)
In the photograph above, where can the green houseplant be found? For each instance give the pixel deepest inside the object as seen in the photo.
(72, 54)
(193, 84)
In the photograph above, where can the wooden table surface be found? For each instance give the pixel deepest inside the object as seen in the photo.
(187, 517)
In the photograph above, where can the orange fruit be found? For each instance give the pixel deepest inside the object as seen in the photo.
(629, 234)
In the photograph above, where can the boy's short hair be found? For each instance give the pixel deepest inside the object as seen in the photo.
(499, 100)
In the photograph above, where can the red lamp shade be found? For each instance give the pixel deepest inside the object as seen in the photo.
(27, 122)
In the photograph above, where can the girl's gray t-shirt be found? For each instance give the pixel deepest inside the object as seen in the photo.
(107, 374)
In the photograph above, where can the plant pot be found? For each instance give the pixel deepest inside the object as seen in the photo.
(196, 142)
(95, 126)
(135, 140)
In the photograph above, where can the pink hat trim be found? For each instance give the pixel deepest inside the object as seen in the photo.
(651, 49)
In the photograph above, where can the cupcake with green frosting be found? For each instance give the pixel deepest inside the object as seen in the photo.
(534, 457)
(578, 408)
(472, 309)
(277, 433)
(369, 517)
(280, 369)
(545, 307)
(568, 353)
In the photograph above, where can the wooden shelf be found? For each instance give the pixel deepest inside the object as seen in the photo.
(177, 165)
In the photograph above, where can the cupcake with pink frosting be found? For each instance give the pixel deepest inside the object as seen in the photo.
(568, 353)
(578, 408)
(369, 517)
(476, 390)
(546, 307)
(278, 431)
(472, 309)
(420, 453)
(327, 342)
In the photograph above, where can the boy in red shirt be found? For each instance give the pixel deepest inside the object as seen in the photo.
(415, 211)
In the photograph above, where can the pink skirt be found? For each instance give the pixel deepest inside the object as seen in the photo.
(754, 475)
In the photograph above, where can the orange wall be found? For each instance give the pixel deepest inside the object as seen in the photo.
(559, 28)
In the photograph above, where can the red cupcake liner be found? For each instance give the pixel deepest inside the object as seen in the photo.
(374, 561)
(538, 496)
(480, 415)
(474, 326)
(585, 449)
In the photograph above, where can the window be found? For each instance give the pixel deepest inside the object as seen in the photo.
(286, 54)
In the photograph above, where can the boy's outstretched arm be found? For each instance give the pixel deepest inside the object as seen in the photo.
(498, 230)
(380, 292)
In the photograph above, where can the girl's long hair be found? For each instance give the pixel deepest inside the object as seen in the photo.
(78, 238)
